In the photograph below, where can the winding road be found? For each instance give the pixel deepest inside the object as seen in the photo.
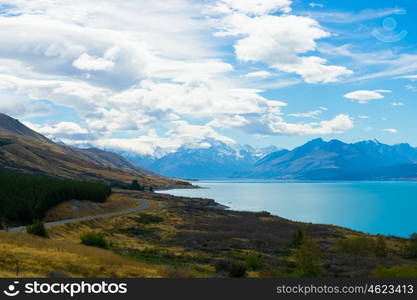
(145, 205)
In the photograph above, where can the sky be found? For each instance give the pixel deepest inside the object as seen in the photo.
(146, 75)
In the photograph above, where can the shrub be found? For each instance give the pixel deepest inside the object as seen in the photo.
(149, 219)
(409, 249)
(253, 262)
(299, 235)
(237, 271)
(381, 249)
(360, 246)
(95, 239)
(177, 272)
(307, 258)
(37, 228)
(136, 186)
(233, 269)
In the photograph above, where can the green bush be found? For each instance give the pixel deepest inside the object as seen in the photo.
(233, 269)
(254, 262)
(299, 235)
(381, 249)
(26, 198)
(307, 259)
(95, 239)
(135, 185)
(409, 249)
(360, 246)
(149, 219)
(37, 228)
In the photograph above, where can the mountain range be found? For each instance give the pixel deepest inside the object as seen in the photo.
(315, 160)
(207, 159)
(26, 151)
(336, 160)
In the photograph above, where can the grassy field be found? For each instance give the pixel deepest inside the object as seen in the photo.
(182, 237)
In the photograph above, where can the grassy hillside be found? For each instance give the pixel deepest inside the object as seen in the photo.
(23, 150)
(32, 156)
(184, 237)
(25, 198)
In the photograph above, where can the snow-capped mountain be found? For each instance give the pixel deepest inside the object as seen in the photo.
(206, 159)
(209, 159)
(336, 160)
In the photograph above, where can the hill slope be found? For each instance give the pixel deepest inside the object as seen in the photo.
(23, 150)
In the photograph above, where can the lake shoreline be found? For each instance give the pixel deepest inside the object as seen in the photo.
(369, 207)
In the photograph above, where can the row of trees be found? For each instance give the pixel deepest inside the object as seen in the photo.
(26, 198)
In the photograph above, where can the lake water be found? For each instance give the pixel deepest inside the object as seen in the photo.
(388, 208)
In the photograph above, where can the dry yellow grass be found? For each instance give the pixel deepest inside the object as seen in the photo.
(38, 257)
(63, 252)
(76, 209)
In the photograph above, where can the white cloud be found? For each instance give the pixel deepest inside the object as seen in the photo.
(279, 41)
(364, 96)
(314, 4)
(62, 130)
(411, 88)
(180, 133)
(397, 104)
(258, 74)
(390, 130)
(253, 7)
(276, 125)
(411, 77)
(332, 16)
(363, 117)
(91, 63)
(117, 66)
(310, 114)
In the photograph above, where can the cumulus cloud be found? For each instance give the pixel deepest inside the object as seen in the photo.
(62, 130)
(280, 42)
(119, 69)
(364, 96)
(276, 125)
(91, 63)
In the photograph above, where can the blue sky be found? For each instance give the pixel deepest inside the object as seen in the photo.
(140, 76)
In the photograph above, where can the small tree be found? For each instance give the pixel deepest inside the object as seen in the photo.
(381, 249)
(307, 258)
(299, 235)
(410, 247)
(37, 228)
(136, 186)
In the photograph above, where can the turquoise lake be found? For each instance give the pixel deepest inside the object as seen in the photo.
(388, 208)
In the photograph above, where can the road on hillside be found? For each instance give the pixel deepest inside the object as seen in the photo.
(145, 205)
